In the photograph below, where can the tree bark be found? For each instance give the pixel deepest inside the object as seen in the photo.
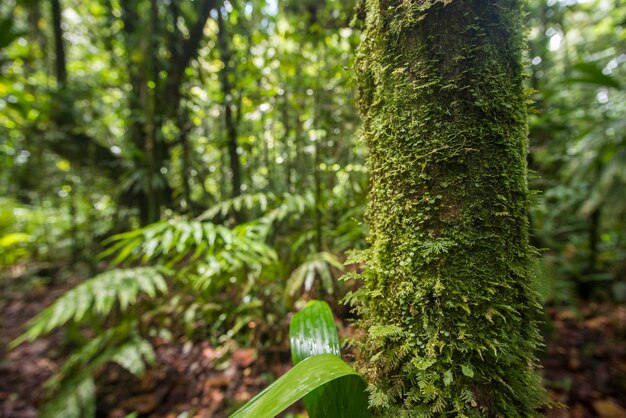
(230, 119)
(60, 67)
(448, 315)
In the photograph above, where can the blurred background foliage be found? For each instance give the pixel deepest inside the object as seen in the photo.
(191, 170)
(578, 150)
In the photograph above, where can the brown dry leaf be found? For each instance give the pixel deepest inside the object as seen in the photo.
(214, 399)
(573, 359)
(144, 404)
(244, 357)
(578, 411)
(608, 408)
(567, 314)
(599, 322)
(213, 381)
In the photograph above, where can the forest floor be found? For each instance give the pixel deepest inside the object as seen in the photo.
(584, 365)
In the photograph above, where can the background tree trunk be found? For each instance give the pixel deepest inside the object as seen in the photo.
(230, 119)
(448, 313)
(59, 49)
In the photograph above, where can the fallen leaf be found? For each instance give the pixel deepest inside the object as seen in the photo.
(608, 408)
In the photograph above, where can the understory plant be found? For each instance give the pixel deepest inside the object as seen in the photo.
(329, 387)
(197, 278)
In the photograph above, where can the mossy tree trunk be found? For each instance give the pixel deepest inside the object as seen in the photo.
(448, 314)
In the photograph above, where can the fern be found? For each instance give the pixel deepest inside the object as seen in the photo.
(317, 265)
(380, 333)
(73, 392)
(291, 204)
(120, 344)
(169, 242)
(77, 399)
(434, 247)
(378, 398)
(245, 201)
(283, 206)
(96, 296)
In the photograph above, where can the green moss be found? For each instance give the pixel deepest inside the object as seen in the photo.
(448, 315)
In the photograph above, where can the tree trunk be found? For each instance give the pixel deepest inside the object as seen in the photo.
(288, 162)
(60, 68)
(184, 127)
(230, 119)
(448, 313)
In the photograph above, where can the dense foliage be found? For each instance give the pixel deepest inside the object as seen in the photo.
(193, 170)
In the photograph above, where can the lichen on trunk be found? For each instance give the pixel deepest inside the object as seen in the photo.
(448, 313)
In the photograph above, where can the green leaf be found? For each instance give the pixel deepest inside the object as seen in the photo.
(76, 400)
(96, 296)
(308, 375)
(447, 377)
(7, 32)
(313, 332)
(591, 73)
(467, 370)
(423, 363)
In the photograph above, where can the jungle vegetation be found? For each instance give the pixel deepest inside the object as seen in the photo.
(437, 171)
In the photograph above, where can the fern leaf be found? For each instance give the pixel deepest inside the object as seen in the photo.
(77, 399)
(98, 294)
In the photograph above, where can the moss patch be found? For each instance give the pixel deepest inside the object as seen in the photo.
(448, 313)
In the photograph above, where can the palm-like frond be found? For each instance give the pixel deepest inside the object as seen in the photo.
(169, 242)
(271, 207)
(317, 265)
(252, 201)
(96, 296)
(120, 344)
(76, 399)
(73, 391)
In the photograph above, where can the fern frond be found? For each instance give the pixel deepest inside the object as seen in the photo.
(291, 204)
(378, 398)
(274, 208)
(97, 295)
(382, 332)
(77, 399)
(245, 201)
(316, 265)
(74, 393)
(169, 242)
(120, 344)
(133, 355)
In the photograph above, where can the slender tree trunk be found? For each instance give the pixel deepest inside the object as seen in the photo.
(184, 127)
(301, 175)
(59, 49)
(317, 176)
(154, 101)
(267, 152)
(448, 313)
(288, 163)
(594, 240)
(229, 118)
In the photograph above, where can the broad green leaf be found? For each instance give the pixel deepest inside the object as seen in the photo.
(308, 375)
(590, 73)
(313, 332)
